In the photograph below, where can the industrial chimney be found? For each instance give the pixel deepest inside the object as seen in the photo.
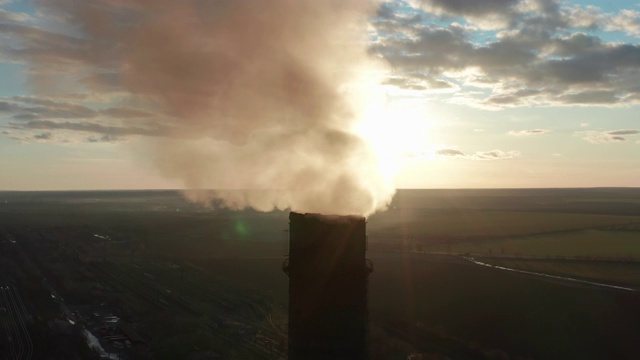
(328, 274)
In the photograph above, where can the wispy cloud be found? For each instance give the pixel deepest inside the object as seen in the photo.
(12, 17)
(478, 155)
(28, 116)
(88, 127)
(624, 132)
(521, 133)
(496, 155)
(603, 137)
(450, 152)
(43, 136)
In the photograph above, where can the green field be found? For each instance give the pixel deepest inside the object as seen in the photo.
(595, 244)
(485, 224)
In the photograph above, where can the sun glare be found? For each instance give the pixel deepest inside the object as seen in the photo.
(396, 129)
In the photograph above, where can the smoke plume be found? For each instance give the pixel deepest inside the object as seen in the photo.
(258, 96)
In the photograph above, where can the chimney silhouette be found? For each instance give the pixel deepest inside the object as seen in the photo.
(328, 274)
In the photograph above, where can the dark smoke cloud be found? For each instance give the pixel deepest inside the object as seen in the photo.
(252, 95)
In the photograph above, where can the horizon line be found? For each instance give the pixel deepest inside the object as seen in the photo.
(399, 189)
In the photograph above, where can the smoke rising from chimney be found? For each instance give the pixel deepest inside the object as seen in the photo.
(259, 96)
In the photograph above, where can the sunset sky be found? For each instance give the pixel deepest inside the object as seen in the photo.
(473, 94)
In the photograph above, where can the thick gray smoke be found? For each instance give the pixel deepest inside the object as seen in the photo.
(254, 95)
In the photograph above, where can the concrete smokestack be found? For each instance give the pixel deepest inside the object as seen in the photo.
(328, 271)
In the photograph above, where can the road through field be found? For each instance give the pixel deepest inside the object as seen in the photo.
(473, 260)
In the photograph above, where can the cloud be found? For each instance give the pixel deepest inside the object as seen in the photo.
(627, 21)
(479, 155)
(469, 7)
(43, 136)
(48, 109)
(542, 53)
(33, 114)
(624, 132)
(531, 132)
(496, 155)
(450, 152)
(126, 113)
(595, 137)
(12, 17)
(86, 127)
(9, 107)
(489, 14)
(103, 138)
(603, 137)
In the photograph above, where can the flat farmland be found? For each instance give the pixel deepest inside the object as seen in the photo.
(475, 305)
(618, 273)
(525, 316)
(430, 225)
(418, 303)
(593, 244)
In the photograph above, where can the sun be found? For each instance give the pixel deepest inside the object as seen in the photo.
(396, 130)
